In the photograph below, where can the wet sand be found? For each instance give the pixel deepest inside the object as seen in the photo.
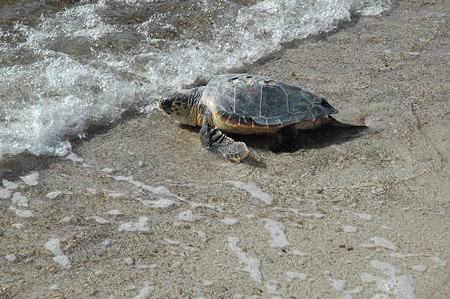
(142, 211)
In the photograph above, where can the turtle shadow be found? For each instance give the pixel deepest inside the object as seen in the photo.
(289, 141)
(318, 138)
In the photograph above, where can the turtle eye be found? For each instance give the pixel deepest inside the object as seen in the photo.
(166, 105)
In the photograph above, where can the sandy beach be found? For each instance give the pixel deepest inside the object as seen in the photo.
(143, 211)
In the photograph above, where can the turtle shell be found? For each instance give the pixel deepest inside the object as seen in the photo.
(244, 103)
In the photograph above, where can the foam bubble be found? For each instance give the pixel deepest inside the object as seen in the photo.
(4, 193)
(145, 291)
(291, 275)
(308, 215)
(252, 264)
(10, 257)
(296, 252)
(419, 268)
(19, 200)
(276, 230)
(114, 212)
(439, 261)
(364, 216)
(54, 194)
(229, 221)
(160, 190)
(22, 212)
(187, 215)
(31, 179)
(338, 284)
(253, 190)
(131, 226)
(159, 203)
(349, 228)
(380, 242)
(53, 245)
(9, 185)
(99, 219)
(400, 286)
(272, 286)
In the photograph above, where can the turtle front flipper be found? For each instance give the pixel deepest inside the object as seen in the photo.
(213, 139)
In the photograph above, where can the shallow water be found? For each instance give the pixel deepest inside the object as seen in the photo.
(66, 66)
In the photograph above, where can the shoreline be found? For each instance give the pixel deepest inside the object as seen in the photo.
(142, 211)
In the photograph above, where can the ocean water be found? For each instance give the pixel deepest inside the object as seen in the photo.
(67, 66)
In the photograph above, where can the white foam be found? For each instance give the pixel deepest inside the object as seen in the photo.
(53, 245)
(272, 286)
(372, 7)
(439, 261)
(160, 190)
(114, 212)
(100, 220)
(54, 287)
(291, 275)
(80, 21)
(171, 242)
(22, 213)
(74, 157)
(146, 291)
(66, 219)
(19, 200)
(402, 255)
(116, 194)
(229, 221)
(338, 284)
(276, 230)
(18, 226)
(296, 252)
(161, 203)
(10, 257)
(399, 286)
(380, 242)
(31, 179)
(187, 215)
(308, 215)
(312, 215)
(146, 266)
(204, 205)
(364, 216)
(128, 261)
(66, 94)
(387, 227)
(253, 190)
(201, 235)
(54, 194)
(140, 225)
(93, 191)
(107, 170)
(419, 268)
(4, 193)
(349, 229)
(9, 185)
(252, 264)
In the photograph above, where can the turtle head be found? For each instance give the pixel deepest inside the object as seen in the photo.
(185, 108)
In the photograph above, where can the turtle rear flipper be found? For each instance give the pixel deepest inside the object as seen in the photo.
(213, 139)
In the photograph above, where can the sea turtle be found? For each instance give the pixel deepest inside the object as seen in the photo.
(246, 104)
